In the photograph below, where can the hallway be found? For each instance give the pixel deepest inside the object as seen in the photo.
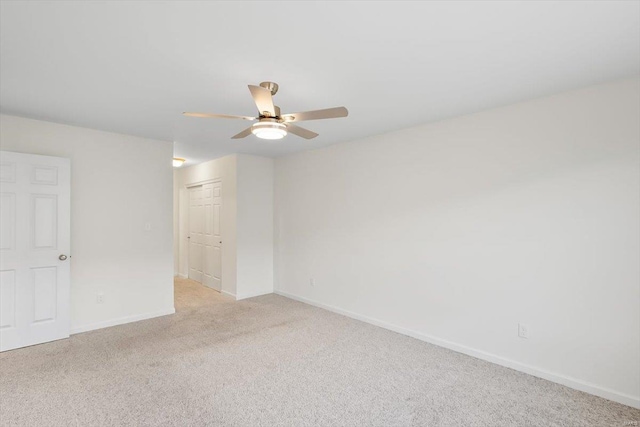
(190, 295)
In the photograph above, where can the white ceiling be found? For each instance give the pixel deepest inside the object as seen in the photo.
(133, 67)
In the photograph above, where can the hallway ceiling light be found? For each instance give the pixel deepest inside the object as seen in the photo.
(177, 162)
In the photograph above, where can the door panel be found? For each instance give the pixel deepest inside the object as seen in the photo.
(216, 237)
(45, 290)
(195, 234)
(8, 298)
(35, 227)
(207, 200)
(205, 203)
(7, 221)
(45, 224)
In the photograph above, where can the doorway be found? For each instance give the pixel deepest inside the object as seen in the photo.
(204, 234)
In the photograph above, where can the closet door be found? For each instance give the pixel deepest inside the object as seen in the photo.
(212, 201)
(196, 233)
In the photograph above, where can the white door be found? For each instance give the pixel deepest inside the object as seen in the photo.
(34, 247)
(196, 234)
(213, 238)
(205, 238)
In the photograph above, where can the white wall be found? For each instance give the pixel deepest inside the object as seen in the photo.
(255, 226)
(118, 183)
(224, 170)
(176, 222)
(456, 231)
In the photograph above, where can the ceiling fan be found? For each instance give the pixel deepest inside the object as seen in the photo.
(271, 123)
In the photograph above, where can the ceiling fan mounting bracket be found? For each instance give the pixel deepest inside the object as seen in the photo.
(273, 87)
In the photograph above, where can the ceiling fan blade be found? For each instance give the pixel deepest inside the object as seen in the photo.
(245, 133)
(217, 116)
(263, 99)
(301, 132)
(328, 113)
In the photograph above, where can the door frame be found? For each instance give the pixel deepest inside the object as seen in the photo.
(184, 239)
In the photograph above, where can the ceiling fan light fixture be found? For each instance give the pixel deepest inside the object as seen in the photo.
(269, 130)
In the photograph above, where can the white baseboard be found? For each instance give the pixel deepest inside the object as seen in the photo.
(245, 296)
(229, 294)
(251, 295)
(182, 276)
(121, 321)
(576, 384)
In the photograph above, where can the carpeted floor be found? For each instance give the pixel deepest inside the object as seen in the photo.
(271, 361)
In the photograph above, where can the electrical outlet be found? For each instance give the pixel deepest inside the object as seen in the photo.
(312, 282)
(147, 226)
(523, 330)
(100, 298)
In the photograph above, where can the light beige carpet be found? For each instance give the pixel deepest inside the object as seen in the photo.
(271, 361)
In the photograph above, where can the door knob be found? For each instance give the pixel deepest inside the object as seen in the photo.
(62, 257)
